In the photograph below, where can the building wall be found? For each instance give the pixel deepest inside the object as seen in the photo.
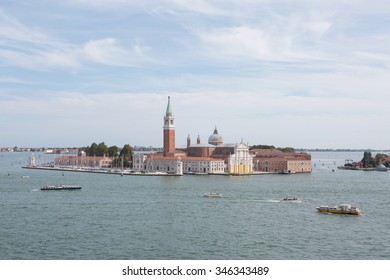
(174, 166)
(280, 164)
(206, 166)
(83, 161)
(139, 162)
(200, 151)
(299, 166)
(270, 164)
(178, 165)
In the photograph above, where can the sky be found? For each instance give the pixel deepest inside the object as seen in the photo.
(302, 74)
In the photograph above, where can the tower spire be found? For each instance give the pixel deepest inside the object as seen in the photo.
(169, 107)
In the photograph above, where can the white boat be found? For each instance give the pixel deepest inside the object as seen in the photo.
(291, 199)
(214, 195)
(288, 171)
(340, 209)
(381, 168)
(59, 187)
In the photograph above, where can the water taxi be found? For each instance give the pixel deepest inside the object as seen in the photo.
(340, 209)
(291, 199)
(59, 187)
(214, 195)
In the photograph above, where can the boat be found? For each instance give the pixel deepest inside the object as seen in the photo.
(214, 195)
(59, 187)
(291, 199)
(288, 171)
(381, 168)
(340, 209)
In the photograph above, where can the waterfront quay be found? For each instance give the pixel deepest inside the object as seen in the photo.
(100, 171)
(127, 172)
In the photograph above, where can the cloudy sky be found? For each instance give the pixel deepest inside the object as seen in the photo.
(304, 73)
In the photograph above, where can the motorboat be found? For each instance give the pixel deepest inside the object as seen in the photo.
(214, 195)
(291, 199)
(288, 171)
(340, 209)
(381, 168)
(59, 187)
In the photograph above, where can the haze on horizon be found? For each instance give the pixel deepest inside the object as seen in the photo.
(304, 74)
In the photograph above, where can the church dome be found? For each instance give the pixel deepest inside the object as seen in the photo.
(215, 139)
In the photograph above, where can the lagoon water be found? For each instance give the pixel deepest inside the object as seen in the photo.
(134, 217)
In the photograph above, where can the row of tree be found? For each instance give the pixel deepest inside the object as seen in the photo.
(285, 150)
(120, 156)
(369, 161)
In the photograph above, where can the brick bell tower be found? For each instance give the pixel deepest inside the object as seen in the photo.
(169, 131)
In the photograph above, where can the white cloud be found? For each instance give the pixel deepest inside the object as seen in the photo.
(266, 32)
(109, 52)
(106, 51)
(244, 42)
(11, 80)
(25, 47)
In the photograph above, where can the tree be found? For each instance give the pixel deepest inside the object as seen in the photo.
(102, 150)
(113, 151)
(126, 151)
(284, 150)
(92, 150)
(261, 147)
(379, 159)
(367, 159)
(287, 150)
(96, 150)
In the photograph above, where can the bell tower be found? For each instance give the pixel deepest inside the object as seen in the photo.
(169, 131)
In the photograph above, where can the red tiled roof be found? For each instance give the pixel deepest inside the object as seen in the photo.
(160, 156)
(83, 157)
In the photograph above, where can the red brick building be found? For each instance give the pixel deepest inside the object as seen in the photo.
(272, 160)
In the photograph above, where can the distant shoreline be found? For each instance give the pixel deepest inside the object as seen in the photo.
(10, 150)
(342, 150)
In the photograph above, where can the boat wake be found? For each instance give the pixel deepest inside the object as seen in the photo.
(273, 200)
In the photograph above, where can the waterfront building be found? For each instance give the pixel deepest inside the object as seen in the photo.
(139, 161)
(83, 162)
(240, 163)
(158, 163)
(272, 160)
(205, 165)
